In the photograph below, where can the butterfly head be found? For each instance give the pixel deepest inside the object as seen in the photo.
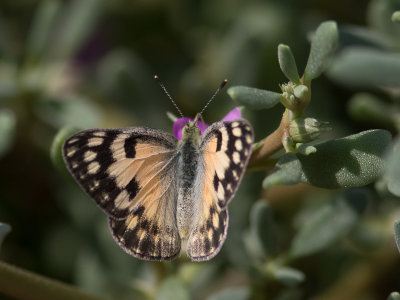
(192, 130)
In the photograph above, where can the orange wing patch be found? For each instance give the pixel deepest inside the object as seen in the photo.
(226, 148)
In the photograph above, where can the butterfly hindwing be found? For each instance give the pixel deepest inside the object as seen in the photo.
(130, 173)
(225, 150)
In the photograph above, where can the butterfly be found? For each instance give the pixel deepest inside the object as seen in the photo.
(158, 191)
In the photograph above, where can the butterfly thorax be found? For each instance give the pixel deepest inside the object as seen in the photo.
(188, 148)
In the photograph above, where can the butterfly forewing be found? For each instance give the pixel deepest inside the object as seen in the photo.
(130, 173)
(225, 150)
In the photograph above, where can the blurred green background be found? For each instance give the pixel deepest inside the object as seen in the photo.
(90, 63)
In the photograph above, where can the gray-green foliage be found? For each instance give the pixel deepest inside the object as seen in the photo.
(4, 230)
(7, 130)
(393, 170)
(394, 296)
(323, 45)
(328, 224)
(276, 247)
(366, 67)
(254, 98)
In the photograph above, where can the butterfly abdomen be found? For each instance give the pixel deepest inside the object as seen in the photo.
(189, 155)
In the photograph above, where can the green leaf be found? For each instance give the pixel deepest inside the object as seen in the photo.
(288, 63)
(73, 110)
(394, 296)
(357, 66)
(287, 171)
(236, 293)
(366, 107)
(355, 160)
(393, 169)
(263, 229)
(253, 98)
(328, 224)
(397, 234)
(4, 230)
(289, 276)
(172, 289)
(78, 20)
(7, 130)
(396, 17)
(363, 36)
(43, 24)
(323, 45)
(57, 144)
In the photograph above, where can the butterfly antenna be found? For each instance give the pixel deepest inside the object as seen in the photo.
(169, 96)
(215, 94)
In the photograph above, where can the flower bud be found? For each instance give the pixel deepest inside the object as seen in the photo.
(303, 130)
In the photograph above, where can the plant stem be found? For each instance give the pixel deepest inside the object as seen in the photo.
(22, 284)
(269, 145)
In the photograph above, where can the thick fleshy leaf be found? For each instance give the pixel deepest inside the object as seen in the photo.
(253, 98)
(288, 63)
(323, 45)
(172, 289)
(394, 296)
(352, 161)
(4, 230)
(289, 276)
(287, 172)
(7, 130)
(263, 229)
(236, 293)
(71, 111)
(329, 223)
(396, 17)
(56, 145)
(366, 107)
(393, 169)
(79, 19)
(43, 24)
(397, 234)
(362, 36)
(356, 66)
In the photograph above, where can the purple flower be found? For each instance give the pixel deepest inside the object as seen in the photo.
(181, 122)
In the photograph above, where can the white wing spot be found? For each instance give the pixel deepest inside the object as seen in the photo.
(104, 198)
(236, 157)
(247, 127)
(71, 141)
(71, 151)
(246, 152)
(74, 165)
(96, 141)
(100, 134)
(237, 132)
(225, 138)
(229, 187)
(249, 139)
(210, 234)
(235, 175)
(235, 124)
(94, 185)
(221, 192)
(238, 145)
(93, 167)
(89, 156)
(215, 220)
